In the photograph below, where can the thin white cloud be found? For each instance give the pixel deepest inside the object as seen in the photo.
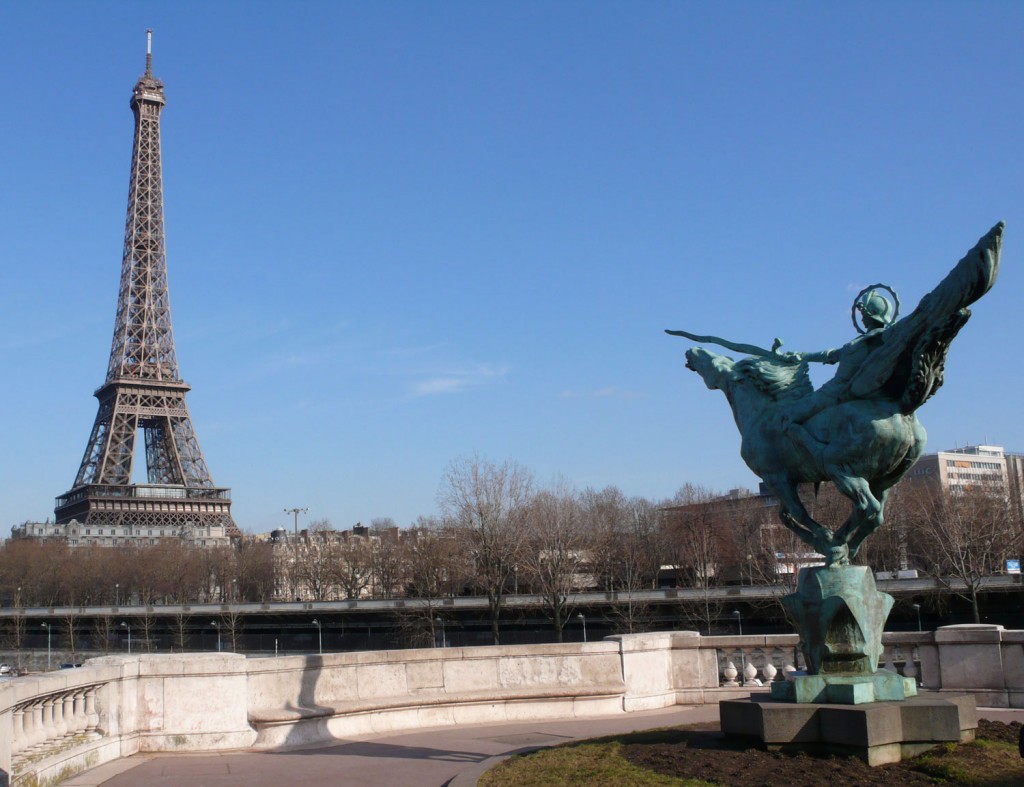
(458, 381)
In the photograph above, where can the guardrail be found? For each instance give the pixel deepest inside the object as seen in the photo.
(732, 593)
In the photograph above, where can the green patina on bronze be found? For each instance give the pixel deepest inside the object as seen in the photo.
(859, 431)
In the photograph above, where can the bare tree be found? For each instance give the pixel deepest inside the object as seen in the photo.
(102, 632)
(698, 529)
(486, 502)
(179, 629)
(437, 567)
(965, 535)
(231, 624)
(255, 571)
(354, 565)
(387, 558)
(317, 560)
(437, 560)
(557, 543)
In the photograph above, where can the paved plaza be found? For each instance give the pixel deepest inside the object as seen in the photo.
(426, 758)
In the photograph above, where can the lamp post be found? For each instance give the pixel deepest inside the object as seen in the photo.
(216, 625)
(583, 620)
(125, 625)
(117, 594)
(320, 635)
(743, 654)
(234, 590)
(917, 609)
(295, 546)
(49, 632)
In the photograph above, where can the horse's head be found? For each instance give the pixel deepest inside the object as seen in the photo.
(714, 369)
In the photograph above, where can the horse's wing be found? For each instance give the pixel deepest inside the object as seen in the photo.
(914, 349)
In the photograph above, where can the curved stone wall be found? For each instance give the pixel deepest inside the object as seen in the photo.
(59, 723)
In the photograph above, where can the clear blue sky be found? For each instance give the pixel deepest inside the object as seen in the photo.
(404, 232)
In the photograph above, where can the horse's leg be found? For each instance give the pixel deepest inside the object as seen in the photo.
(866, 515)
(881, 493)
(795, 516)
(878, 489)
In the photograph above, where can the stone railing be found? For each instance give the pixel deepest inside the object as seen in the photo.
(57, 724)
(62, 722)
(300, 699)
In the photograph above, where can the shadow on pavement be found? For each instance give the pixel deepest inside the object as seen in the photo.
(389, 750)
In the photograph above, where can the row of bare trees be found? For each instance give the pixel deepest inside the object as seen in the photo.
(498, 532)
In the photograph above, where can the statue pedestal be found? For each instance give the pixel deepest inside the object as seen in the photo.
(839, 615)
(878, 733)
(881, 686)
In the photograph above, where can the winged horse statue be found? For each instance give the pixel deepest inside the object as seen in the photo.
(859, 430)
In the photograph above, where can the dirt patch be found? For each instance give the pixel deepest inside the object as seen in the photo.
(705, 754)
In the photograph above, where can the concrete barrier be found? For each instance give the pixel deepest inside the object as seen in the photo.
(56, 724)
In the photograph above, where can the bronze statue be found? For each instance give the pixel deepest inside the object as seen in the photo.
(859, 430)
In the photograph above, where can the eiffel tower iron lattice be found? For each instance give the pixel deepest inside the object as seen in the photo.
(143, 389)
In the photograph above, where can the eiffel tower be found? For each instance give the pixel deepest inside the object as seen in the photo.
(143, 390)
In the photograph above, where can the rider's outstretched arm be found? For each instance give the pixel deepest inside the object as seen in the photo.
(825, 356)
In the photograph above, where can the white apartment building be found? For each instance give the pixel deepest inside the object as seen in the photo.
(78, 535)
(973, 466)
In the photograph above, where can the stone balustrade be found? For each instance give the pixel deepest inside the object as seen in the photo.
(59, 723)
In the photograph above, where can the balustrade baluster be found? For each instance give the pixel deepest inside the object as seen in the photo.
(749, 668)
(18, 736)
(62, 713)
(38, 732)
(68, 714)
(92, 717)
(80, 720)
(49, 724)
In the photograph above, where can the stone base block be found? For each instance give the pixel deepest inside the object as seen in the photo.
(880, 686)
(878, 733)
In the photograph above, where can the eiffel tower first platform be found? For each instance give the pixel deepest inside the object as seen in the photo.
(143, 391)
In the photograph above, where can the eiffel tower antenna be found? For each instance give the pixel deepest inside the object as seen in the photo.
(143, 390)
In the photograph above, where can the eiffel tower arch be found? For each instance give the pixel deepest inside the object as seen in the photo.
(143, 391)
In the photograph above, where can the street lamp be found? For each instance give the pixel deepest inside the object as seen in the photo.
(295, 547)
(125, 625)
(117, 594)
(440, 622)
(320, 634)
(49, 632)
(234, 590)
(743, 655)
(583, 620)
(216, 625)
(295, 512)
(917, 609)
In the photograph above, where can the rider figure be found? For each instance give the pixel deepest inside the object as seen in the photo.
(876, 315)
